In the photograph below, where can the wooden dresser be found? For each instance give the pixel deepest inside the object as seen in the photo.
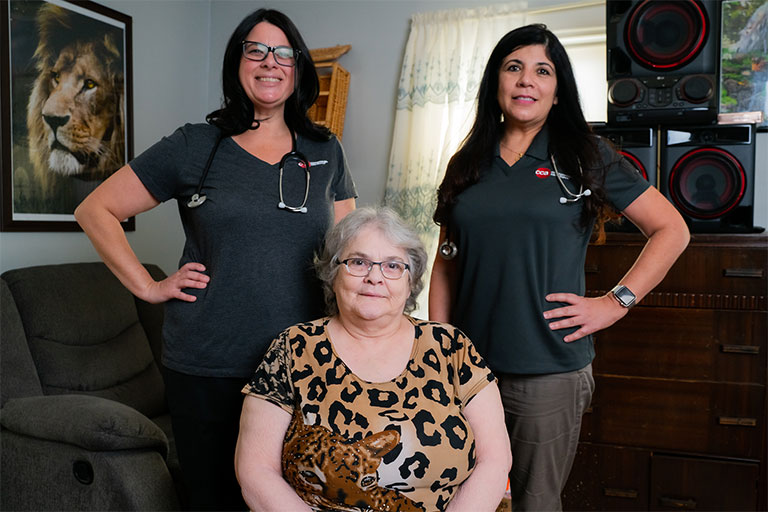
(678, 419)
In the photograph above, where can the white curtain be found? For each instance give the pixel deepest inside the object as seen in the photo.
(442, 68)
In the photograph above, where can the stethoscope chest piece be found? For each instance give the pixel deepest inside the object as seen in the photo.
(448, 250)
(196, 200)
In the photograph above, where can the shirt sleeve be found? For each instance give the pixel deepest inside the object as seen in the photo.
(623, 182)
(471, 373)
(343, 184)
(272, 379)
(159, 166)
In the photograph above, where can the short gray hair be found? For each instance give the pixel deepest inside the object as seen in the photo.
(393, 228)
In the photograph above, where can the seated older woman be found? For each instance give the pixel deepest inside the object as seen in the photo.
(370, 408)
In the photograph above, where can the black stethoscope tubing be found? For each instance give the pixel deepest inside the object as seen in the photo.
(199, 198)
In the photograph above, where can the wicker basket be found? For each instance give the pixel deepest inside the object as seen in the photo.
(331, 105)
(324, 55)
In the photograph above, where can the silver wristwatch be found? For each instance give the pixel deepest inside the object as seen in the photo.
(624, 295)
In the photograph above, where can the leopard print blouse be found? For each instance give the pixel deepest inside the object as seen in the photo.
(353, 445)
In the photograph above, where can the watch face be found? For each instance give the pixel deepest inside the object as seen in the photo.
(625, 296)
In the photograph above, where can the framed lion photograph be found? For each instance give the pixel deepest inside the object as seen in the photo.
(66, 99)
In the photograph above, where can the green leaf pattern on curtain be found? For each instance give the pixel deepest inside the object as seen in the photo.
(442, 68)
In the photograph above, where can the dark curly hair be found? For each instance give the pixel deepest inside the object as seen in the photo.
(571, 140)
(236, 114)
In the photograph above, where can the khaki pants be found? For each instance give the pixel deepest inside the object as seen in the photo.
(543, 415)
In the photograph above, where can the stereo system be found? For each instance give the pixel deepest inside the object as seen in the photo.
(662, 67)
(662, 61)
(708, 173)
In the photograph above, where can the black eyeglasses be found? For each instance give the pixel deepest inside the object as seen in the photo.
(284, 55)
(361, 267)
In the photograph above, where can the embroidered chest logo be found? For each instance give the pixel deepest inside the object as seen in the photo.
(543, 172)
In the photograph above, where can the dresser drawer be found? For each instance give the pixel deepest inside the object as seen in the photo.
(736, 267)
(696, 344)
(688, 416)
(608, 478)
(681, 483)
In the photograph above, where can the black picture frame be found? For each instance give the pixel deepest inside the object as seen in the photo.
(66, 97)
(744, 58)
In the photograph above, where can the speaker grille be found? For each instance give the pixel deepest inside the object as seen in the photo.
(707, 183)
(666, 35)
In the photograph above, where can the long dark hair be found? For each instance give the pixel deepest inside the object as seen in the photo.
(236, 114)
(570, 138)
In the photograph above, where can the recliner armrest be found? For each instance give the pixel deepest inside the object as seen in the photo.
(90, 422)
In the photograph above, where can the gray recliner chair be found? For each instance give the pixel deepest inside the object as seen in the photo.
(82, 402)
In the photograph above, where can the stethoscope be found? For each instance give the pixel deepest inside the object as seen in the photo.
(572, 198)
(448, 249)
(198, 198)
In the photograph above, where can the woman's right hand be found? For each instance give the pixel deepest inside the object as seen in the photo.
(122, 196)
(190, 275)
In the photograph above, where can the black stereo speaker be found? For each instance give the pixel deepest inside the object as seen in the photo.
(708, 173)
(662, 61)
(638, 146)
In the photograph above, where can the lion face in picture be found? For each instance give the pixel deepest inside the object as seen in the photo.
(75, 114)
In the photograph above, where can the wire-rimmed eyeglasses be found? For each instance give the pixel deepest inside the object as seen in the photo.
(361, 267)
(284, 55)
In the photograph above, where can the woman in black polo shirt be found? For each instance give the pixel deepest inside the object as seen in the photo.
(517, 209)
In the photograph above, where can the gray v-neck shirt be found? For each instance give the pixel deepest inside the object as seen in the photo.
(259, 257)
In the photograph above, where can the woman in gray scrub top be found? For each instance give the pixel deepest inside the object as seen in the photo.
(517, 209)
(252, 222)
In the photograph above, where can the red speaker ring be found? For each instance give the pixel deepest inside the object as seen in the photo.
(720, 155)
(680, 61)
(636, 162)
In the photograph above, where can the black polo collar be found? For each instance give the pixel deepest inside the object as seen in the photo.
(538, 149)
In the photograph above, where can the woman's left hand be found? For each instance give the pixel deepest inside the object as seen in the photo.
(588, 313)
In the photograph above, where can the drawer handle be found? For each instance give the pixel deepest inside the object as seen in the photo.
(737, 422)
(620, 493)
(744, 272)
(591, 268)
(740, 349)
(678, 503)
